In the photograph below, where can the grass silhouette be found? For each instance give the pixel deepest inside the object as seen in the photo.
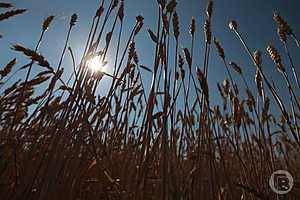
(69, 142)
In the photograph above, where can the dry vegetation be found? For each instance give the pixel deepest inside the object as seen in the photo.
(68, 142)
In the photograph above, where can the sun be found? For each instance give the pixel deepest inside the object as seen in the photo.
(96, 64)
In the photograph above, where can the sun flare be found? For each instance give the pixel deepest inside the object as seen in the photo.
(96, 64)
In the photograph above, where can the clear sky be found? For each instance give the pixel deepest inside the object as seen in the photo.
(254, 18)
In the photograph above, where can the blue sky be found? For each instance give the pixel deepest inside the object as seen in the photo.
(254, 20)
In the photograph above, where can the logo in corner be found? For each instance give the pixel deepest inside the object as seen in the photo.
(281, 182)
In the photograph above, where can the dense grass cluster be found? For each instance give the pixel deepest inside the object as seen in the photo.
(69, 142)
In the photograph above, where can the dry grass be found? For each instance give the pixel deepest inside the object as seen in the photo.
(68, 142)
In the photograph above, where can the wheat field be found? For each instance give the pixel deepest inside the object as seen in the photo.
(165, 139)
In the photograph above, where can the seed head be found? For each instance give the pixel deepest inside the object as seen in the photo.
(258, 80)
(115, 4)
(7, 69)
(47, 22)
(250, 99)
(187, 56)
(274, 55)
(73, 19)
(266, 108)
(192, 27)
(226, 86)
(162, 3)
(99, 11)
(6, 5)
(139, 18)
(175, 25)
(203, 82)
(209, 8)
(171, 5)
(207, 31)
(131, 49)
(180, 61)
(165, 22)
(8, 14)
(286, 28)
(135, 58)
(33, 55)
(281, 33)
(220, 90)
(220, 49)
(257, 58)
(233, 25)
(235, 67)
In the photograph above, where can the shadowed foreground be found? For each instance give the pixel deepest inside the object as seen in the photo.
(145, 141)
